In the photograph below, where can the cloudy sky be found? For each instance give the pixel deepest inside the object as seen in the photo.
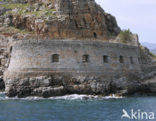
(137, 15)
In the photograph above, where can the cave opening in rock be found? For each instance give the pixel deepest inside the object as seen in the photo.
(76, 24)
(95, 35)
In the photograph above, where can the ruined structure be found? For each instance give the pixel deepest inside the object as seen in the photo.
(73, 47)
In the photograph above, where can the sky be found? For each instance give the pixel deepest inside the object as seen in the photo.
(137, 15)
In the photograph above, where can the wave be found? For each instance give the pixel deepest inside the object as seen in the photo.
(75, 97)
(66, 97)
(2, 92)
(113, 96)
(81, 97)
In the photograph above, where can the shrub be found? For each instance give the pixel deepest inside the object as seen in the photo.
(125, 35)
(152, 54)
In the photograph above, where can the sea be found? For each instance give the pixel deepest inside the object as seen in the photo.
(78, 108)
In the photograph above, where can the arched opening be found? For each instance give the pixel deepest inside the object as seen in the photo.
(55, 58)
(131, 60)
(85, 58)
(76, 24)
(84, 21)
(95, 35)
(105, 59)
(10, 49)
(121, 59)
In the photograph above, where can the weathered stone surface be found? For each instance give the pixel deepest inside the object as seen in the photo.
(49, 91)
(25, 87)
(122, 86)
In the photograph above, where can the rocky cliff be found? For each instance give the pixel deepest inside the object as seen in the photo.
(76, 19)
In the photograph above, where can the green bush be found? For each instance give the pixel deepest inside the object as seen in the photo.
(152, 54)
(125, 35)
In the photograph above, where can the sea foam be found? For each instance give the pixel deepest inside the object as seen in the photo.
(66, 97)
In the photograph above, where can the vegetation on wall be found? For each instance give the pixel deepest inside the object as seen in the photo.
(125, 36)
(152, 55)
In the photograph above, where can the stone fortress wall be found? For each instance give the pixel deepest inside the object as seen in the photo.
(53, 56)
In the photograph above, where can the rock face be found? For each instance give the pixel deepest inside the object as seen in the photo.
(55, 86)
(76, 19)
(58, 47)
(58, 85)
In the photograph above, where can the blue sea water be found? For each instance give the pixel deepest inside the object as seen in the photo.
(72, 108)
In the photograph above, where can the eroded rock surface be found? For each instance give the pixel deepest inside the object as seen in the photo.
(76, 19)
(55, 86)
(47, 86)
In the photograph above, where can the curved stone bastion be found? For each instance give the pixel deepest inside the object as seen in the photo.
(68, 60)
(54, 56)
